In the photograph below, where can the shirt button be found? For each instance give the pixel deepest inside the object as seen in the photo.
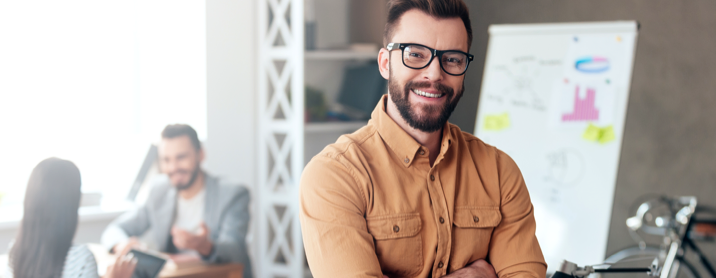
(432, 178)
(422, 152)
(442, 220)
(475, 218)
(396, 228)
(407, 160)
(440, 265)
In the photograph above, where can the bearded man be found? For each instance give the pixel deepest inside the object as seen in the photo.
(187, 211)
(409, 194)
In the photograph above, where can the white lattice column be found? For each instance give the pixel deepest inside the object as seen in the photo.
(280, 59)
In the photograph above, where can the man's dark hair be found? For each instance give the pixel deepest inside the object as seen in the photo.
(440, 9)
(176, 130)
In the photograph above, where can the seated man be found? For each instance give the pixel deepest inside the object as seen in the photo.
(187, 210)
(410, 195)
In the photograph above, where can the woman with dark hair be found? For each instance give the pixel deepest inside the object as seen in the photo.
(43, 247)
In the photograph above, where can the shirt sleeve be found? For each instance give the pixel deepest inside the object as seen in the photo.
(132, 223)
(80, 263)
(332, 214)
(514, 250)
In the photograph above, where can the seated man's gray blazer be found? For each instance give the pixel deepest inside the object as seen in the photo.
(226, 215)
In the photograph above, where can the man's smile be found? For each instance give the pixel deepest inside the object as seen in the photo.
(426, 94)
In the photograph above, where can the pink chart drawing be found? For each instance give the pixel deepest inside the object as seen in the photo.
(584, 109)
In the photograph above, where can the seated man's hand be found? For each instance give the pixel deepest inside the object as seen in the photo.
(122, 248)
(477, 269)
(199, 242)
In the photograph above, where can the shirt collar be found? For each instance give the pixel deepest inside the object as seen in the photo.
(397, 139)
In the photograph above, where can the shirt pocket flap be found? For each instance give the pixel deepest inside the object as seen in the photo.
(394, 226)
(474, 217)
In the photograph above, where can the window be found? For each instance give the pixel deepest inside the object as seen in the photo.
(95, 82)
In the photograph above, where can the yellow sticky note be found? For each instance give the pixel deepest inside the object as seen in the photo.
(592, 133)
(497, 122)
(602, 135)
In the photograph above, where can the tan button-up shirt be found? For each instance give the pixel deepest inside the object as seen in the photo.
(371, 204)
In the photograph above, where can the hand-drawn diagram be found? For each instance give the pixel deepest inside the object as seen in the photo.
(515, 83)
(565, 167)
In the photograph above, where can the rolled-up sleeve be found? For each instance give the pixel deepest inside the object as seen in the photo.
(332, 214)
(514, 250)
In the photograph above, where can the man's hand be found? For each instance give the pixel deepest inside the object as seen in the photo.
(121, 249)
(199, 242)
(124, 266)
(477, 269)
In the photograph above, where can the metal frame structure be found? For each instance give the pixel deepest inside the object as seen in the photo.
(280, 137)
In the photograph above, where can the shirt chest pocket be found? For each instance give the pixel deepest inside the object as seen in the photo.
(398, 243)
(472, 232)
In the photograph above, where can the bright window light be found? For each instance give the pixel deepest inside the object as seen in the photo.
(95, 82)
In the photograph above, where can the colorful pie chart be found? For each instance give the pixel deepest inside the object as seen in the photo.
(592, 64)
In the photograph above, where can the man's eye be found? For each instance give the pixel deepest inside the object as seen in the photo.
(415, 55)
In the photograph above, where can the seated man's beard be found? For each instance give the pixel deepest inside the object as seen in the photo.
(194, 175)
(425, 122)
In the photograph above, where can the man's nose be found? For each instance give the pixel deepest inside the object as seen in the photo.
(169, 166)
(433, 72)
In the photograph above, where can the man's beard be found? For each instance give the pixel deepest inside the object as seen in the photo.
(425, 122)
(194, 175)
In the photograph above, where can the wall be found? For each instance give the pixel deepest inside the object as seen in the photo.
(231, 90)
(669, 141)
(231, 93)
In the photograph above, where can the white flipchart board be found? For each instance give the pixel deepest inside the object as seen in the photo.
(550, 94)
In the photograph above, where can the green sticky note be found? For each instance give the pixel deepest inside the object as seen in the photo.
(497, 122)
(606, 135)
(602, 135)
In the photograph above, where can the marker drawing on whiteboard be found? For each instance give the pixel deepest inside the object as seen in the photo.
(565, 167)
(516, 82)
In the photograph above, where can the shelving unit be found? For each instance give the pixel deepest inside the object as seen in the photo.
(340, 55)
(285, 142)
(325, 66)
(334, 127)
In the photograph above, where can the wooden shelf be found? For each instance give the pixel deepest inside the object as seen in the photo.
(334, 127)
(340, 55)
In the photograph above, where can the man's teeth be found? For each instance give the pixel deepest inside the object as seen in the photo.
(421, 93)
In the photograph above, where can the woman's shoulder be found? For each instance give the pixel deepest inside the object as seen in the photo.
(80, 262)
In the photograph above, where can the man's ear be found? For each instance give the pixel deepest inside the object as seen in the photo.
(201, 155)
(384, 63)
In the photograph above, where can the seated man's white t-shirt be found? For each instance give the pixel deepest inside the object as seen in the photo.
(190, 213)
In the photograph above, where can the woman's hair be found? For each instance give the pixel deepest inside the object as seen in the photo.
(49, 222)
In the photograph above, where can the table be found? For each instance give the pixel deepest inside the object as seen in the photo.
(208, 271)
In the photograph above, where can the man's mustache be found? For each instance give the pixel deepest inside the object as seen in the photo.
(178, 172)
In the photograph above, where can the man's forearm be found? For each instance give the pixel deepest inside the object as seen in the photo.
(477, 269)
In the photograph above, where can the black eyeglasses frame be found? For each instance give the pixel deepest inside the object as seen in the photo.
(435, 53)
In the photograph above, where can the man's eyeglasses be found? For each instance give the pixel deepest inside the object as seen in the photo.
(417, 56)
